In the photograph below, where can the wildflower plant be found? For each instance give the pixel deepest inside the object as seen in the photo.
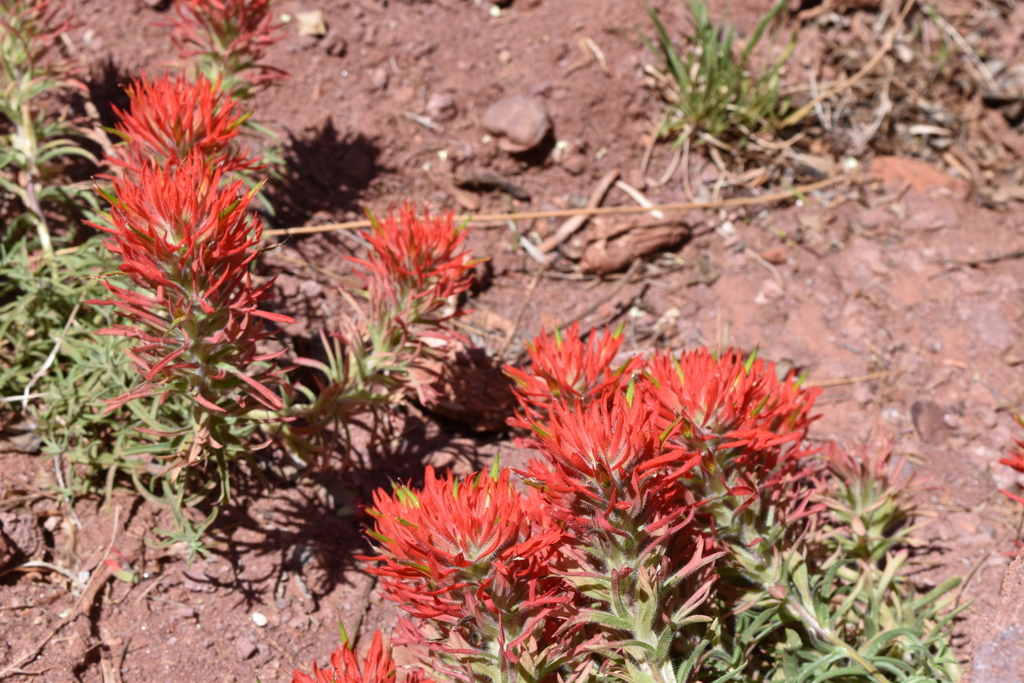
(392, 343)
(709, 89)
(692, 528)
(227, 41)
(186, 241)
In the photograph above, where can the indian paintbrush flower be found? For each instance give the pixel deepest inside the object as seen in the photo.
(187, 241)
(172, 118)
(565, 369)
(474, 557)
(378, 666)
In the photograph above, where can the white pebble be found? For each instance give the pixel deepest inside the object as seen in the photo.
(259, 619)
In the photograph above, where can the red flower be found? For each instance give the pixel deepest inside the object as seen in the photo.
(567, 370)
(475, 558)
(421, 260)
(1016, 461)
(229, 38)
(452, 536)
(735, 412)
(378, 667)
(610, 466)
(188, 242)
(170, 119)
(413, 271)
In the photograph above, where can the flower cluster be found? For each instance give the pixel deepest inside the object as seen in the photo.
(476, 557)
(659, 480)
(228, 39)
(394, 343)
(378, 667)
(566, 370)
(187, 242)
(172, 118)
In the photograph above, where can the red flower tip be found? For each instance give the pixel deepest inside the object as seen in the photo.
(569, 370)
(378, 666)
(169, 119)
(453, 535)
(736, 408)
(610, 460)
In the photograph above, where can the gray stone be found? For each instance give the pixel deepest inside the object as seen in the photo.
(520, 121)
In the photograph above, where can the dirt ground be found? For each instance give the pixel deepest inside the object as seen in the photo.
(866, 285)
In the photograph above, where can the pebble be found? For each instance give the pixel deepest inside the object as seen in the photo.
(929, 421)
(334, 44)
(520, 121)
(441, 107)
(379, 78)
(260, 619)
(775, 255)
(311, 24)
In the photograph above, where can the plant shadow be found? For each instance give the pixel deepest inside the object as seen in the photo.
(323, 172)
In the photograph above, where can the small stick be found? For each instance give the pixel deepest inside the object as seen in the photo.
(968, 51)
(568, 228)
(973, 263)
(639, 198)
(846, 380)
(562, 213)
(767, 266)
(49, 359)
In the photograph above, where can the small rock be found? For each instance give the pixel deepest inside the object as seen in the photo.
(334, 44)
(929, 421)
(776, 255)
(311, 24)
(379, 78)
(245, 648)
(575, 162)
(1013, 355)
(505, 56)
(260, 619)
(521, 121)
(441, 107)
(21, 533)
(158, 5)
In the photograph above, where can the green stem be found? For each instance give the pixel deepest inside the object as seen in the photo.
(27, 142)
(812, 623)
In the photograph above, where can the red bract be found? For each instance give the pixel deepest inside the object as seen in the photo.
(170, 119)
(1016, 461)
(228, 38)
(378, 667)
(476, 559)
(610, 466)
(455, 535)
(188, 242)
(422, 261)
(567, 370)
(735, 409)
